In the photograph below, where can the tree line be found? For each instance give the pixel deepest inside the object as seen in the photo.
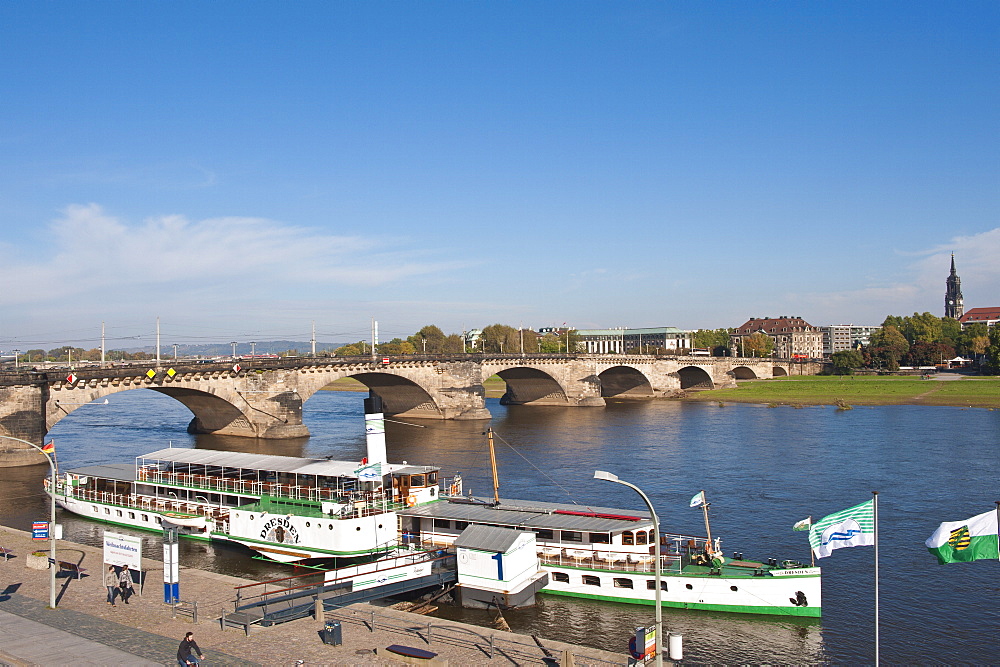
(922, 339)
(495, 339)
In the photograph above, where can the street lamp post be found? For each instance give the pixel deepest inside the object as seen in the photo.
(233, 343)
(52, 520)
(610, 477)
(15, 358)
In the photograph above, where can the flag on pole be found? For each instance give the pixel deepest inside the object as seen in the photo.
(805, 524)
(369, 473)
(853, 527)
(698, 500)
(49, 447)
(966, 541)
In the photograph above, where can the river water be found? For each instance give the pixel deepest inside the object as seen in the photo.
(762, 470)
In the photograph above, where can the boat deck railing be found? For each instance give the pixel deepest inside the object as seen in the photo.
(218, 515)
(246, 487)
(676, 553)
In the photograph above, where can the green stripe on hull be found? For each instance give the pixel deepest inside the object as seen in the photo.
(320, 552)
(813, 612)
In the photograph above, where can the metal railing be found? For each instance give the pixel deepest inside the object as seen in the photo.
(489, 644)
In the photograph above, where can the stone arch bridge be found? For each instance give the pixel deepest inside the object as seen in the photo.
(264, 398)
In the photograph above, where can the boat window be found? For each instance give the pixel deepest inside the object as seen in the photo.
(544, 534)
(442, 523)
(623, 582)
(107, 510)
(640, 537)
(600, 538)
(95, 507)
(157, 519)
(652, 536)
(145, 517)
(432, 478)
(733, 588)
(572, 536)
(689, 587)
(560, 576)
(461, 525)
(417, 480)
(628, 537)
(591, 580)
(131, 515)
(651, 585)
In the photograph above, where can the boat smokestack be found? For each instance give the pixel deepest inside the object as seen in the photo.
(375, 428)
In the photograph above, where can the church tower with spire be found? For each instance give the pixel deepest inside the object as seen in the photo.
(954, 307)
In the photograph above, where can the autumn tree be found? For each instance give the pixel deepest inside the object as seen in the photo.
(716, 340)
(993, 350)
(887, 346)
(757, 345)
(429, 340)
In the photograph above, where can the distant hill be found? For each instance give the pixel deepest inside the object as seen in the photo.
(225, 349)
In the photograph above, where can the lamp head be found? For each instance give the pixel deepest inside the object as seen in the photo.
(607, 476)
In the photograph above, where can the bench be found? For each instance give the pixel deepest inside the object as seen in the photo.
(411, 655)
(73, 568)
(6, 553)
(240, 619)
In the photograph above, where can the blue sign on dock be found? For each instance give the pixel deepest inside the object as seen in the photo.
(40, 530)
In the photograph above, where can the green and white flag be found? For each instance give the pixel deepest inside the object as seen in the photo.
(805, 524)
(966, 541)
(853, 527)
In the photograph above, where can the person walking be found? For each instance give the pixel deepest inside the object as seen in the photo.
(111, 581)
(125, 584)
(189, 653)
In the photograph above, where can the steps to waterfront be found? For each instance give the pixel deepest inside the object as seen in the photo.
(144, 632)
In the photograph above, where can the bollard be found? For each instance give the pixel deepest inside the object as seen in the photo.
(676, 644)
(318, 612)
(491, 647)
(373, 621)
(429, 638)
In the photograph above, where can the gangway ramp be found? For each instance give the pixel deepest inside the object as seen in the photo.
(290, 598)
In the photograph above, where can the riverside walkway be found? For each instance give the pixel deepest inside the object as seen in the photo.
(85, 630)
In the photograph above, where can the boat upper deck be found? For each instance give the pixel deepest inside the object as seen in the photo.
(533, 514)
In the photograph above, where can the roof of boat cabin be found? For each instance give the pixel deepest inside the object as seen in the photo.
(534, 514)
(286, 464)
(488, 538)
(122, 472)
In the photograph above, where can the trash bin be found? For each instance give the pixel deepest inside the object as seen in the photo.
(332, 633)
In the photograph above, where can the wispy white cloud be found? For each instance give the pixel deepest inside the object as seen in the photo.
(923, 286)
(98, 262)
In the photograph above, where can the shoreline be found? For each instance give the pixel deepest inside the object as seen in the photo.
(941, 390)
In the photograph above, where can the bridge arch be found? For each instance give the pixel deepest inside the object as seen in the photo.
(693, 377)
(779, 372)
(531, 385)
(400, 396)
(743, 373)
(625, 382)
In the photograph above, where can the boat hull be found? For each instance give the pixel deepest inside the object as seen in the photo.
(777, 595)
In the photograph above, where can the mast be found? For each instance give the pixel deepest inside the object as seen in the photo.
(493, 465)
(708, 530)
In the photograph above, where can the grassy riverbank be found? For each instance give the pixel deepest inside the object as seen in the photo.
(862, 390)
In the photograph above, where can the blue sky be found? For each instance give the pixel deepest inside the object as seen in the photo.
(243, 169)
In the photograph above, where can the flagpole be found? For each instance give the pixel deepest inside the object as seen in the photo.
(708, 530)
(998, 528)
(875, 508)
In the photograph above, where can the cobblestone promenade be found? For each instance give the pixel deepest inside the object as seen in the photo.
(85, 630)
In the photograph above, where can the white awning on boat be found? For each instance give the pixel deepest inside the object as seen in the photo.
(286, 464)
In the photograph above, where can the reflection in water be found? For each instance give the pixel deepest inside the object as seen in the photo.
(762, 469)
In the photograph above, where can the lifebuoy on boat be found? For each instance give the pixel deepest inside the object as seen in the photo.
(411, 501)
(453, 490)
